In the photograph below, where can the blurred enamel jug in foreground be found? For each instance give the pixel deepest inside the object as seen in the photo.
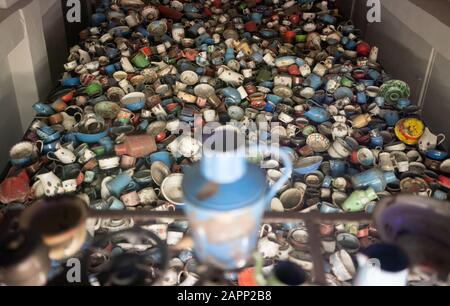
(226, 197)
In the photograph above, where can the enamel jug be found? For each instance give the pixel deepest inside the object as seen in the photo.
(226, 197)
(361, 121)
(317, 114)
(230, 77)
(69, 122)
(52, 184)
(374, 178)
(429, 141)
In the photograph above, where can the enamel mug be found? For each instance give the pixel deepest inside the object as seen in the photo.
(231, 77)
(342, 266)
(132, 20)
(440, 195)
(210, 115)
(285, 118)
(109, 163)
(84, 154)
(117, 185)
(23, 153)
(127, 162)
(173, 238)
(62, 155)
(70, 66)
(382, 265)
(148, 196)
(190, 279)
(429, 141)
(125, 116)
(70, 186)
(51, 183)
(268, 248)
(130, 199)
(320, 69)
(305, 70)
(178, 32)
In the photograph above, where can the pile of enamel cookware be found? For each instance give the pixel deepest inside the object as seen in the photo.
(116, 133)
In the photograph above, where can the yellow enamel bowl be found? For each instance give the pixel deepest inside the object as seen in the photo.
(410, 130)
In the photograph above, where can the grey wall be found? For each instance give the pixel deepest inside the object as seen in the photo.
(10, 126)
(55, 37)
(437, 101)
(414, 41)
(32, 52)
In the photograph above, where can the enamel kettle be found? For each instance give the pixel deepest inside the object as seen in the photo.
(226, 197)
(317, 113)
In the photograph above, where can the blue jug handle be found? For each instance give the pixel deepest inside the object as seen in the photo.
(311, 101)
(288, 170)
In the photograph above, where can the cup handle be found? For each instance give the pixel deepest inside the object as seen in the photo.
(171, 207)
(52, 156)
(98, 224)
(265, 228)
(314, 103)
(394, 162)
(285, 177)
(40, 145)
(78, 117)
(442, 140)
(78, 126)
(180, 275)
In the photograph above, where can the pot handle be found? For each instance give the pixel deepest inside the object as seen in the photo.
(286, 175)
